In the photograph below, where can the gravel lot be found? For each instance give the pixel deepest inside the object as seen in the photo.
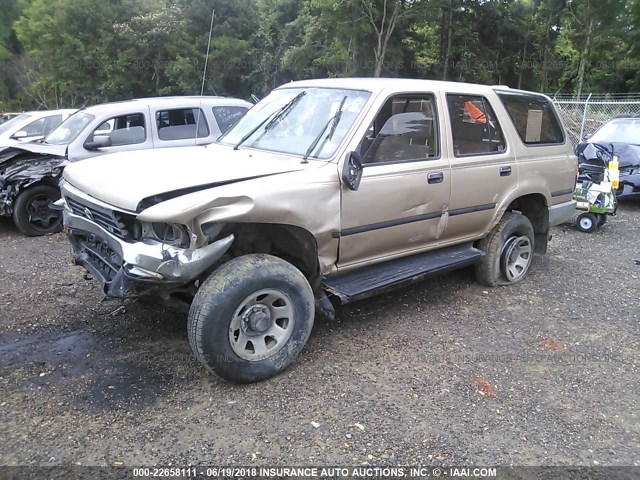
(447, 372)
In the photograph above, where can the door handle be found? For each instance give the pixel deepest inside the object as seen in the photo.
(435, 177)
(505, 171)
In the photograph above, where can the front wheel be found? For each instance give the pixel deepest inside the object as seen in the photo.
(251, 318)
(508, 251)
(31, 212)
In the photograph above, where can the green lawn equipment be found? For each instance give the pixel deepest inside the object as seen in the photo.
(598, 179)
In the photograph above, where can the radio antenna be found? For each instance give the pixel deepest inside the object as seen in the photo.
(206, 58)
(204, 77)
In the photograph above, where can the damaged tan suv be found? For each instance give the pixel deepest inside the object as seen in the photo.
(327, 191)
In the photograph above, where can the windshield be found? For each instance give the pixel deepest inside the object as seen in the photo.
(9, 124)
(69, 130)
(290, 120)
(622, 130)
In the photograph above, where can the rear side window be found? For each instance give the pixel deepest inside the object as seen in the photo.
(124, 130)
(534, 118)
(228, 116)
(474, 126)
(181, 124)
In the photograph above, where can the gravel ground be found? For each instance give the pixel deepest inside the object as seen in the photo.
(448, 372)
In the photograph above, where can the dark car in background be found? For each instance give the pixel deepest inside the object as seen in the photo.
(623, 134)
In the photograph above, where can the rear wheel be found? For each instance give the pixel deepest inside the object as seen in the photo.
(251, 318)
(508, 251)
(31, 212)
(586, 222)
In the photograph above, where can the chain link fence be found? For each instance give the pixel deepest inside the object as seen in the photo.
(584, 116)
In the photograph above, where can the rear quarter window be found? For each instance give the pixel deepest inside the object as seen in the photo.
(227, 116)
(474, 126)
(534, 117)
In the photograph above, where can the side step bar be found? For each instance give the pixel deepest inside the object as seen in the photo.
(382, 277)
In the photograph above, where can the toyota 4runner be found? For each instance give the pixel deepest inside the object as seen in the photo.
(327, 191)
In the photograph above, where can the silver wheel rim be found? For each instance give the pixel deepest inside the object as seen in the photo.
(261, 325)
(516, 258)
(586, 223)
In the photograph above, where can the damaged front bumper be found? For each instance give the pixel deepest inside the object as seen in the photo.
(128, 269)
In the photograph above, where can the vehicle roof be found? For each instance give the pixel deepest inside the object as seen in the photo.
(404, 84)
(47, 113)
(174, 101)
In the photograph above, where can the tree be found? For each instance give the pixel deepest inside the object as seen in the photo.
(72, 48)
(71, 52)
(547, 21)
(154, 44)
(11, 53)
(383, 20)
(231, 68)
(276, 33)
(590, 22)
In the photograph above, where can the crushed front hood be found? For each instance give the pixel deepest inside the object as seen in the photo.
(126, 179)
(20, 164)
(39, 148)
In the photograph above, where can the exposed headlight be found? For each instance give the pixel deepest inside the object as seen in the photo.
(168, 233)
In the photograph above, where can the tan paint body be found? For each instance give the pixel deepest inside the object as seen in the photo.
(311, 195)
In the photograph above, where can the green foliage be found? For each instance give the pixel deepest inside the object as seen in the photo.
(71, 52)
(10, 54)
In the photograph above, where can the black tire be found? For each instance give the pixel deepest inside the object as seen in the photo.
(513, 234)
(31, 214)
(587, 222)
(220, 330)
(602, 219)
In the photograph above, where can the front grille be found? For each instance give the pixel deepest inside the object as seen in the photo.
(101, 257)
(103, 217)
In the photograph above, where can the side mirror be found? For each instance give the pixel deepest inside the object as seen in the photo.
(99, 141)
(352, 170)
(20, 134)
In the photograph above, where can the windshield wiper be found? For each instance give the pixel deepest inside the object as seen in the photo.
(333, 121)
(272, 119)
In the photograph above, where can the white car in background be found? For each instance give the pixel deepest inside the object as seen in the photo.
(30, 171)
(144, 123)
(30, 126)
